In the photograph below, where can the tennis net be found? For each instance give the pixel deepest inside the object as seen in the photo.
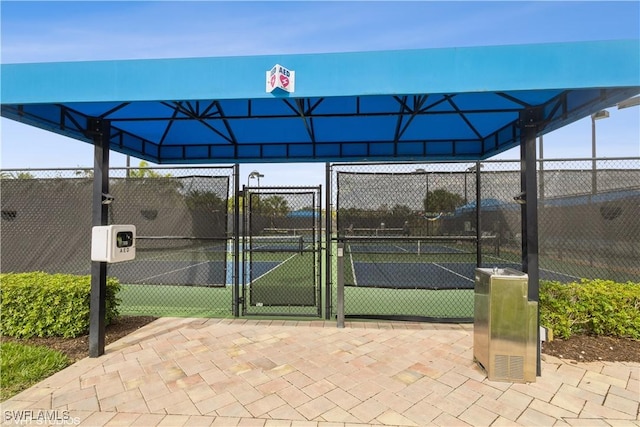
(281, 243)
(411, 245)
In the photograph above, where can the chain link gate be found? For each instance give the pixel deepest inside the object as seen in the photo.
(281, 251)
(400, 258)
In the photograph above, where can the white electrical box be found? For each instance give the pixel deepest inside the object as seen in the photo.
(113, 243)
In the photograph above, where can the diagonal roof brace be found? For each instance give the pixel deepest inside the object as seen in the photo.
(304, 114)
(449, 99)
(179, 107)
(418, 102)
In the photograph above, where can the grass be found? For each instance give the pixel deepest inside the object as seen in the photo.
(25, 365)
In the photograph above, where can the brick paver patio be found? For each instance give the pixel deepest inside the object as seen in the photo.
(228, 372)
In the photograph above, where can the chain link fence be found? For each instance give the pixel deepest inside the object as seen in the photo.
(588, 217)
(183, 264)
(413, 234)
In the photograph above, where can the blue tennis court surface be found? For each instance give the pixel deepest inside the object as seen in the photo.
(444, 275)
(376, 246)
(205, 273)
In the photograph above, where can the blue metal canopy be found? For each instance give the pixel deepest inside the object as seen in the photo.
(431, 104)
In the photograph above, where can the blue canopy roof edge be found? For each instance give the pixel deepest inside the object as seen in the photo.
(414, 105)
(597, 64)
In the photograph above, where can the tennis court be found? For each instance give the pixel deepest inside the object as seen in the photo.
(186, 273)
(186, 244)
(430, 275)
(277, 260)
(189, 282)
(198, 263)
(278, 271)
(443, 262)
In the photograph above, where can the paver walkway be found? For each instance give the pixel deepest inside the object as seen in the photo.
(228, 372)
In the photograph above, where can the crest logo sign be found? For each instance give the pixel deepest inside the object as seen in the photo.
(281, 78)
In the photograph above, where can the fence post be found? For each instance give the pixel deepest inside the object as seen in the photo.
(328, 243)
(340, 290)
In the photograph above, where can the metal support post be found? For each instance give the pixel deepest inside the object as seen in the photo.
(99, 130)
(530, 120)
(340, 290)
(478, 218)
(236, 242)
(328, 214)
(317, 240)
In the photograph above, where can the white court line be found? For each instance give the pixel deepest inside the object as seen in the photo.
(353, 268)
(451, 271)
(437, 265)
(268, 271)
(401, 248)
(174, 271)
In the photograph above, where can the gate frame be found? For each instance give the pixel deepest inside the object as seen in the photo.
(332, 170)
(240, 303)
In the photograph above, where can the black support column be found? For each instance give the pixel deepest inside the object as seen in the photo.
(99, 130)
(236, 241)
(328, 243)
(530, 120)
(478, 217)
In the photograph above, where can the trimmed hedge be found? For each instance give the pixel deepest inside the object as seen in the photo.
(44, 305)
(592, 307)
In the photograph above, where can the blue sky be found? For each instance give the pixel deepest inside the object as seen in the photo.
(52, 31)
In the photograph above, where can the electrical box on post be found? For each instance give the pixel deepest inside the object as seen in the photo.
(113, 243)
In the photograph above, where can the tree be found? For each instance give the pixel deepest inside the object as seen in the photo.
(205, 200)
(17, 175)
(147, 185)
(274, 206)
(232, 203)
(84, 173)
(442, 201)
(144, 171)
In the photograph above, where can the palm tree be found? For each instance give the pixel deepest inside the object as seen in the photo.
(205, 200)
(18, 175)
(274, 206)
(144, 171)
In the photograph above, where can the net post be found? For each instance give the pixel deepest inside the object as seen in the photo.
(340, 289)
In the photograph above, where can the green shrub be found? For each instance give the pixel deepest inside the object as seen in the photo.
(593, 307)
(43, 305)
